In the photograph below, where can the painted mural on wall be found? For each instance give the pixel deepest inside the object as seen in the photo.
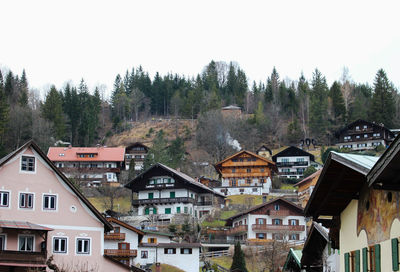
(377, 209)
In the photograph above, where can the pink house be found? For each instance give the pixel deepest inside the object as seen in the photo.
(42, 214)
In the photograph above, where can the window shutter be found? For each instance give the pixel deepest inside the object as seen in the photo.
(365, 259)
(378, 258)
(347, 262)
(357, 260)
(395, 254)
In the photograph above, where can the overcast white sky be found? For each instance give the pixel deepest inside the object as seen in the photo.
(59, 41)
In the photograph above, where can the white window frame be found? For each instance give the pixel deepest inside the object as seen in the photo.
(8, 199)
(33, 242)
(24, 208)
(83, 253)
(66, 244)
(4, 235)
(43, 202)
(27, 171)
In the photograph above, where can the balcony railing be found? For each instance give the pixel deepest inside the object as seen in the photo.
(114, 236)
(204, 203)
(361, 130)
(270, 227)
(121, 252)
(23, 257)
(237, 229)
(279, 213)
(162, 200)
(286, 164)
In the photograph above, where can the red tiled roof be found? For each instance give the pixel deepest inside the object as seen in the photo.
(105, 154)
(21, 225)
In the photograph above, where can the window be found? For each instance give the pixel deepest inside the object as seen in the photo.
(260, 235)
(25, 243)
(191, 196)
(124, 246)
(352, 261)
(357, 128)
(233, 170)
(144, 254)
(28, 164)
(59, 245)
(2, 242)
(178, 209)
(365, 126)
(248, 170)
(26, 201)
(293, 222)
(395, 254)
(294, 237)
(185, 209)
(151, 195)
(262, 170)
(285, 160)
(169, 250)
(277, 222)
(167, 210)
(82, 246)
(4, 198)
(365, 135)
(186, 251)
(49, 202)
(117, 229)
(276, 207)
(371, 258)
(358, 136)
(152, 240)
(260, 221)
(171, 194)
(255, 189)
(299, 159)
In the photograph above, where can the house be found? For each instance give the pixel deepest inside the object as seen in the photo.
(122, 242)
(318, 254)
(231, 111)
(165, 194)
(357, 198)
(157, 247)
(277, 219)
(136, 152)
(245, 173)
(265, 152)
(90, 166)
(293, 161)
(292, 263)
(306, 186)
(43, 215)
(363, 135)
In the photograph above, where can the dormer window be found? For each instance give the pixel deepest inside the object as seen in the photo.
(28, 164)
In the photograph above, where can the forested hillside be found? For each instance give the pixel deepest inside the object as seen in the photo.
(276, 111)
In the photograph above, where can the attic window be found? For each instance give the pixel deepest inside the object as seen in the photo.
(61, 154)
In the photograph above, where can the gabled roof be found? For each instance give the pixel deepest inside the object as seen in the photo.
(217, 165)
(106, 154)
(360, 121)
(298, 208)
(386, 172)
(340, 181)
(31, 143)
(125, 225)
(265, 148)
(309, 178)
(314, 246)
(292, 151)
(175, 173)
(294, 255)
(137, 144)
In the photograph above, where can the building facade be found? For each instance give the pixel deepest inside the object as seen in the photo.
(293, 161)
(164, 193)
(277, 219)
(90, 166)
(245, 173)
(306, 186)
(136, 152)
(364, 135)
(43, 214)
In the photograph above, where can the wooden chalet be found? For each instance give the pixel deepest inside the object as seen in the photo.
(362, 135)
(306, 186)
(265, 152)
(136, 152)
(245, 173)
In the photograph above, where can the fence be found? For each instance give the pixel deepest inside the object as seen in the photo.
(212, 254)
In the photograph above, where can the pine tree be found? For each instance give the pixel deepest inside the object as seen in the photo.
(318, 106)
(4, 112)
(52, 110)
(239, 262)
(338, 107)
(23, 90)
(383, 105)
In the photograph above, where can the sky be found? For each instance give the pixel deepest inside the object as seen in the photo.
(63, 41)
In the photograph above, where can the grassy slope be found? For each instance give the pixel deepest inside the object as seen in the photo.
(226, 261)
(167, 268)
(124, 203)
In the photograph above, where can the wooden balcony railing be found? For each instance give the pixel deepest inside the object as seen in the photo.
(237, 229)
(121, 252)
(114, 236)
(23, 257)
(163, 200)
(270, 227)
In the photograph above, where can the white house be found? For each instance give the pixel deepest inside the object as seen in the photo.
(165, 193)
(277, 219)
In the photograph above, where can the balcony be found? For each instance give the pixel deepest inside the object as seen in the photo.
(289, 164)
(270, 227)
(237, 229)
(23, 257)
(279, 213)
(361, 130)
(121, 252)
(204, 203)
(162, 200)
(114, 236)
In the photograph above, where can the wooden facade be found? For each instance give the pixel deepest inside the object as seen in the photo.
(136, 152)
